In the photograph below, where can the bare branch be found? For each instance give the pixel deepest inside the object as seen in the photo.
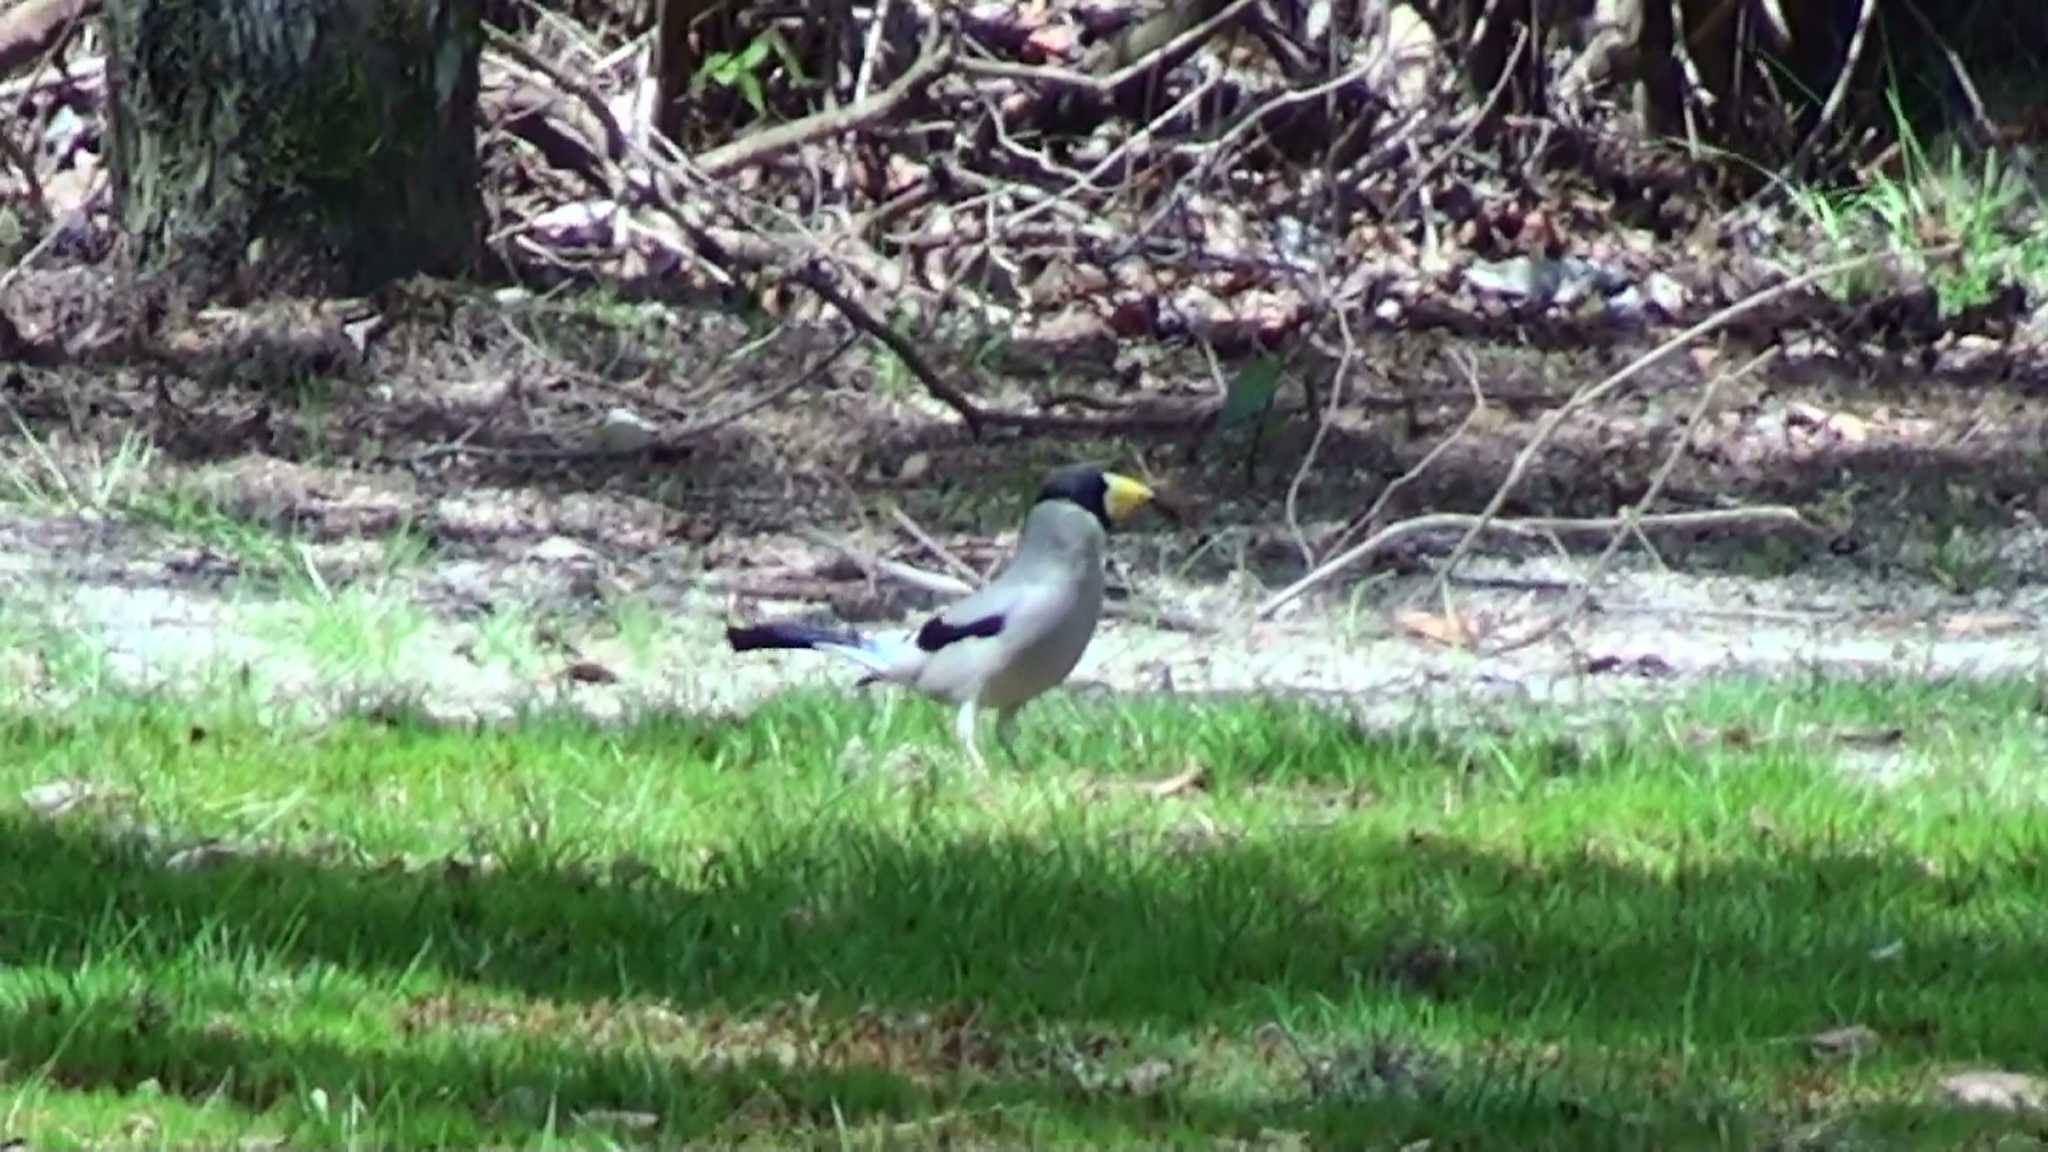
(768, 143)
(1539, 527)
(1631, 517)
(1548, 426)
(1839, 93)
(817, 278)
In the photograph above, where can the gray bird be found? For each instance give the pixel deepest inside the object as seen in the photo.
(1015, 638)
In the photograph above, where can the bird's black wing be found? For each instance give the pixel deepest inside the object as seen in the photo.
(939, 631)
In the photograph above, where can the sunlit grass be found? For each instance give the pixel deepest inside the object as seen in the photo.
(1978, 210)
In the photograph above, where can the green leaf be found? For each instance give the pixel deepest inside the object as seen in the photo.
(751, 56)
(1251, 394)
(791, 63)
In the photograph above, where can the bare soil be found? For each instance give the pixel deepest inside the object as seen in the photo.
(454, 463)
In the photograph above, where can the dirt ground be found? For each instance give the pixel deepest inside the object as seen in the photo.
(443, 514)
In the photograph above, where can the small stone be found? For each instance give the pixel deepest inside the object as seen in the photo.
(60, 796)
(619, 1118)
(202, 856)
(1148, 1078)
(1997, 1090)
(560, 550)
(1849, 1040)
(624, 430)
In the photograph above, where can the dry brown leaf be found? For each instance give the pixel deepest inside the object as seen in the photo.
(1964, 624)
(1447, 629)
(589, 672)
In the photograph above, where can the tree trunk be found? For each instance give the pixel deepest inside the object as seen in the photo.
(295, 145)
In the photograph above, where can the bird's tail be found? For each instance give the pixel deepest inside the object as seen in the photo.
(788, 634)
(878, 658)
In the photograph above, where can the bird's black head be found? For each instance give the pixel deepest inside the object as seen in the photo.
(1108, 497)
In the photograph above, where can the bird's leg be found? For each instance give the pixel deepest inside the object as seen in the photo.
(963, 727)
(1006, 731)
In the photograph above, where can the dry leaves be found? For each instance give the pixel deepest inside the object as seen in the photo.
(1447, 628)
(589, 672)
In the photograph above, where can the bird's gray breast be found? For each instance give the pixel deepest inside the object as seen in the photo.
(1048, 600)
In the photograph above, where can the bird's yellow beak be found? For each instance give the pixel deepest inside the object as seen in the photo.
(1124, 497)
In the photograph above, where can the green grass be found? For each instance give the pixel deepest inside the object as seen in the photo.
(1981, 205)
(813, 927)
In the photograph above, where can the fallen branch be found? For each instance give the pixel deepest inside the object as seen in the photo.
(1832, 107)
(1548, 426)
(813, 275)
(754, 149)
(86, 75)
(1423, 465)
(1533, 527)
(1168, 56)
(669, 443)
(937, 583)
(30, 29)
(1632, 516)
(931, 544)
(616, 140)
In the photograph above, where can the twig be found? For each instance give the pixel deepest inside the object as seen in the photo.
(670, 442)
(49, 237)
(616, 140)
(1955, 64)
(42, 29)
(1315, 443)
(753, 149)
(937, 583)
(1217, 151)
(817, 278)
(1631, 516)
(1080, 181)
(931, 545)
(1548, 426)
(1535, 527)
(1167, 56)
(38, 207)
(870, 50)
(1478, 117)
(1423, 465)
(1838, 95)
(1696, 90)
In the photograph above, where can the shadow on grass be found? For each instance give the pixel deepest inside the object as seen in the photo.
(1690, 979)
